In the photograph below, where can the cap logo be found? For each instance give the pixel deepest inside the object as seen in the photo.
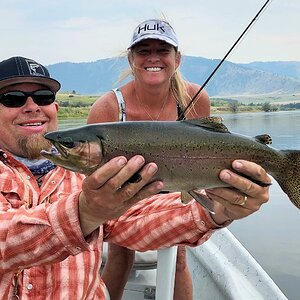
(147, 27)
(34, 68)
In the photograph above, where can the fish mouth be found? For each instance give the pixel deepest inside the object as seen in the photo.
(61, 150)
(58, 151)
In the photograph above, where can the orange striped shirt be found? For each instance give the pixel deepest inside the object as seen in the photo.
(43, 254)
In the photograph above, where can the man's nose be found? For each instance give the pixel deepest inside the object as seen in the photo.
(30, 104)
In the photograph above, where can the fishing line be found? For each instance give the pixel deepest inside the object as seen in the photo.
(182, 115)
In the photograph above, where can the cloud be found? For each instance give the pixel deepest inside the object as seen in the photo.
(64, 30)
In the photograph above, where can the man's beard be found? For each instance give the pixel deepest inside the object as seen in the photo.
(31, 146)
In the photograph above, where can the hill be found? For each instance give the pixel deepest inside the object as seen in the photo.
(289, 69)
(93, 78)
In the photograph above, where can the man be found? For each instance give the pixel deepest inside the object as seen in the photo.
(53, 221)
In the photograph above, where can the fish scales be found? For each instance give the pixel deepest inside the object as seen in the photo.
(198, 158)
(190, 154)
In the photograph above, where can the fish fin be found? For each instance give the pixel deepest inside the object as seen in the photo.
(186, 197)
(209, 123)
(203, 200)
(264, 139)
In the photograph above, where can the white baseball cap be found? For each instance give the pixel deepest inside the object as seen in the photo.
(154, 29)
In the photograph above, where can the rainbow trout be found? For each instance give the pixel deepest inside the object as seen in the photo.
(190, 153)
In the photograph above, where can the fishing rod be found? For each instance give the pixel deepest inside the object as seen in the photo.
(182, 115)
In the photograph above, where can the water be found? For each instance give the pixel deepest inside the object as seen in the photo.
(271, 235)
(71, 123)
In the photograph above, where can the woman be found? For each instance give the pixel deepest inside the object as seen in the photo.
(157, 92)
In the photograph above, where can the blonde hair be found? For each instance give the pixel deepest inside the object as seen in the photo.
(179, 90)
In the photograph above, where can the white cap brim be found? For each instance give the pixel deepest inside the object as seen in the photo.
(153, 37)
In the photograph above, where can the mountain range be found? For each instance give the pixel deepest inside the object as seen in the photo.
(276, 77)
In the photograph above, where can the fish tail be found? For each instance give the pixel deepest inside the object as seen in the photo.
(289, 177)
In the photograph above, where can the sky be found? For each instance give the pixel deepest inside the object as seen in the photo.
(53, 31)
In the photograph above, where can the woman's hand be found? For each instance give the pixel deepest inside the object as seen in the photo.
(244, 197)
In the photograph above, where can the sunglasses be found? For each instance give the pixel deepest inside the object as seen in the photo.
(19, 98)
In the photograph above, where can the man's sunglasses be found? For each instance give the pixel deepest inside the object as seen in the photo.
(19, 98)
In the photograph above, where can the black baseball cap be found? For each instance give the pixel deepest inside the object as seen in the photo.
(19, 69)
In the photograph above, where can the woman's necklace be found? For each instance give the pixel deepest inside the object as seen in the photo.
(146, 111)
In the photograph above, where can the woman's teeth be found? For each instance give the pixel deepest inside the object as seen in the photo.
(154, 69)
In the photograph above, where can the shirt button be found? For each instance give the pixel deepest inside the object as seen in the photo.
(53, 182)
(202, 223)
(78, 248)
(29, 286)
(28, 177)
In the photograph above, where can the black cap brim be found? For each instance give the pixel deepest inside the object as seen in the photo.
(51, 83)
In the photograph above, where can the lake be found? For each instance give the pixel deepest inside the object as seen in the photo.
(271, 235)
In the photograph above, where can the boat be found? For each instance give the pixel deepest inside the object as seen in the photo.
(221, 268)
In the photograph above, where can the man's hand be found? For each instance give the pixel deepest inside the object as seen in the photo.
(244, 197)
(109, 192)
